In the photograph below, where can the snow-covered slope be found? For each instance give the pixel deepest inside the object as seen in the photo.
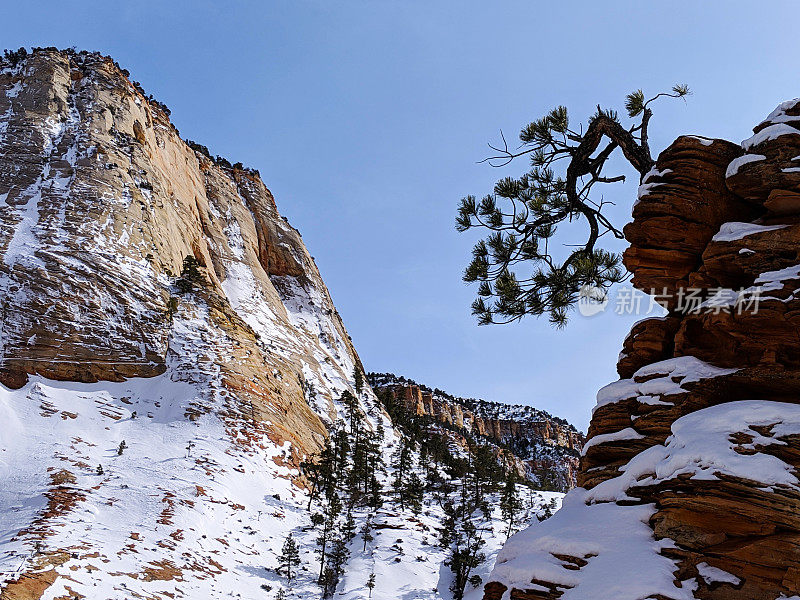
(190, 508)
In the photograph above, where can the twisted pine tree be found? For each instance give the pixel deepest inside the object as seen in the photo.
(522, 215)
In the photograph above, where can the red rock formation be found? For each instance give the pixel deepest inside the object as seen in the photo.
(682, 203)
(121, 200)
(560, 443)
(717, 217)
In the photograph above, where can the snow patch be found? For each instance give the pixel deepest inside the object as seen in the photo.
(703, 140)
(685, 369)
(655, 173)
(701, 446)
(779, 114)
(771, 132)
(714, 575)
(737, 163)
(629, 433)
(730, 232)
(615, 541)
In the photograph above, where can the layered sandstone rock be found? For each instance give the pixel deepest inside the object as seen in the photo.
(695, 452)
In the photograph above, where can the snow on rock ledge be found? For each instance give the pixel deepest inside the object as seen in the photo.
(587, 552)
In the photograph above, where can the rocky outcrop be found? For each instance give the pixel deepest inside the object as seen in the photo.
(697, 447)
(546, 448)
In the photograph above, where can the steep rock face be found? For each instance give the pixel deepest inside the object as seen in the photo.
(692, 457)
(545, 448)
(686, 202)
(102, 203)
(219, 392)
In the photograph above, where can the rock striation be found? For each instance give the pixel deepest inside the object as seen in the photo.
(546, 448)
(694, 452)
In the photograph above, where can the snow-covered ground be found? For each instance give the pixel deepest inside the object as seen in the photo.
(589, 549)
(182, 509)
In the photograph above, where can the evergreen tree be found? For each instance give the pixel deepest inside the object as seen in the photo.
(461, 538)
(358, 475)
(414, 492)
(320, 473)
(339, 555)
(358, 378)
(401, 464)
(341, 447)
(433, 479)
(375, 494)
(289, 559)
(354, 414)
(349, 527)
(548, 480)
(514, 267)
(371, 584)
(190, 274)
(380, 432)
(366, 532)
(327, 531)
(485, 470)
(548, 510)
(334, 567)
(328, 581)
(374, 466)
(510, 503)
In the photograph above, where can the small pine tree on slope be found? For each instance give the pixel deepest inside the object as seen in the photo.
(289, 559)
(510, 503)
(461, 538)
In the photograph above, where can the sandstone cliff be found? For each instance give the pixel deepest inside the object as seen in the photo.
(102, 203)
(545, 448)
(217, 391)
(689, 481)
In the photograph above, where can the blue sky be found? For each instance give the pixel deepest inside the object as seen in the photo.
(367, 119)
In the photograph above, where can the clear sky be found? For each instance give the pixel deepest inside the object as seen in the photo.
(367, 119)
